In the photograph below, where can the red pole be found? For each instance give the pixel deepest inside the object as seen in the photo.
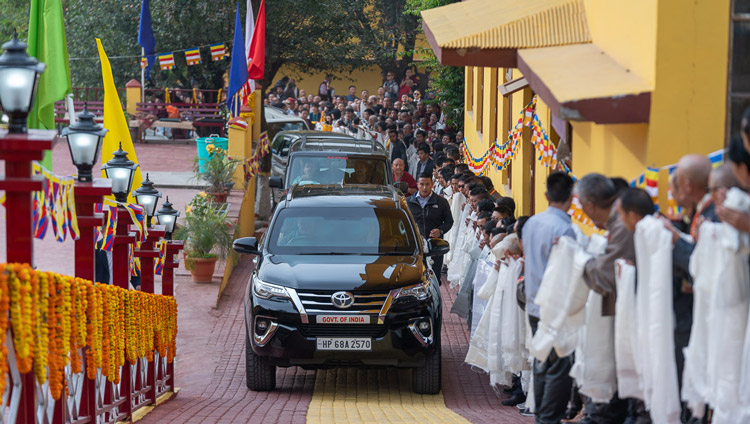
(167, 287)
(18, 150)
(121, 278)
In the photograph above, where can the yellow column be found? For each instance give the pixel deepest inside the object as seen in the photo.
(133, 97)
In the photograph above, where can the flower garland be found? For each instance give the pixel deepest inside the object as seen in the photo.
(53, 316)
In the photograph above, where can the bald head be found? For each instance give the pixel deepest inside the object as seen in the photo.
(723, 177)
(398, 166)
(695, 168)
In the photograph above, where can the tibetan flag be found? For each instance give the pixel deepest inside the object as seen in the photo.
(249, 30)
(166, 61)
(114, 121)
(144, 62)
(218, 51)
(47, 43)
(257, 52)
(193, 56)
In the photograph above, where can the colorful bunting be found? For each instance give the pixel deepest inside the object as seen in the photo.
(218, 51)
(144, 62)
(252, 165)
(193, 56)
(54, 205)
(166, 61)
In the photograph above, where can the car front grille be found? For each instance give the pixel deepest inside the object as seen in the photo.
(319, 302)
(346, 330)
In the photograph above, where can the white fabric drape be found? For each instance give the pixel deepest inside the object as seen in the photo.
(655, 359)
(625, 337)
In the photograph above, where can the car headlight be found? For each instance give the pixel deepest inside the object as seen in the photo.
(267, 290)
(419, 291)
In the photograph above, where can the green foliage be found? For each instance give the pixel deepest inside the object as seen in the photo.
(218, 169)
(14, 14)
(207, 229)
(448, 80)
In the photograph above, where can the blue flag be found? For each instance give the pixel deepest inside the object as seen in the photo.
(237, 69)
(146, 37)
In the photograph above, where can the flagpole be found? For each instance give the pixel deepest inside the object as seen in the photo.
(143, 76)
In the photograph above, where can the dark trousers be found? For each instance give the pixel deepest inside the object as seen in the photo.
(613, 412)
(552, 385)
(437, 267)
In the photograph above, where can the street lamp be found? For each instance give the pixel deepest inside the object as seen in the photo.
(84, 141)
(19, 75)
(168, 218)
(120, 170)
(146, 196)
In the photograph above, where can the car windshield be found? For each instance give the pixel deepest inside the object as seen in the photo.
(275, 127)
(366, 231)
(337, 170)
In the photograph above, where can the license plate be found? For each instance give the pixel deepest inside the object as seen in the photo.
(344, 343)
(342, 319)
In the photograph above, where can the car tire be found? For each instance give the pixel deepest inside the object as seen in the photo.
(426, 380)
(260, 376)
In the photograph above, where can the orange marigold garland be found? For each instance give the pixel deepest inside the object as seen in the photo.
(41, 329)
(4, 306)
(55, 336)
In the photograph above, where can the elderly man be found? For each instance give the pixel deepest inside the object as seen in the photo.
(399, 174)
(597, 194)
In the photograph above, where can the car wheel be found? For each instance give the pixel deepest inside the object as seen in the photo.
(426, 380)
(260, 376)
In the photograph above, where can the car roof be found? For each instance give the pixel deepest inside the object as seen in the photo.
(316, 134)
(274, 114)
(338, 144)
(344, 195)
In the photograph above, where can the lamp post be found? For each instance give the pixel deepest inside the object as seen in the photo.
(120, 170)
(146, 195)
(168, 218)
(85, 142)
(19, 75)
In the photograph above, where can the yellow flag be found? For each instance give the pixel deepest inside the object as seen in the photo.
(115, 122)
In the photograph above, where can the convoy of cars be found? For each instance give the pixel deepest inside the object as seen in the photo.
(342, 276)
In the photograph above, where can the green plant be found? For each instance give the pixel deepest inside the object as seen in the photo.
(207, 229)
(218, 170)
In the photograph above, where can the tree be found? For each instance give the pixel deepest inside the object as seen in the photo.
(14, 16)
(448, 80)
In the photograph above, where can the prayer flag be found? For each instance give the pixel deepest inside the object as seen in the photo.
(237, 70)
(114, 121)
(218, 51)
(166, 61)
(257, 53)
(249, 30)
(193, 56)
(652, 185)
(47, 43)
(144, 62)
(146, 37)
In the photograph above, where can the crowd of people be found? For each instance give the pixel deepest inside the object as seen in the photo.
(645, 320)
(642, 320)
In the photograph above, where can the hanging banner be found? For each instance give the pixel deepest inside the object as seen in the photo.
(166, 61)
(193, 56)
(218, 51)
(144, 62)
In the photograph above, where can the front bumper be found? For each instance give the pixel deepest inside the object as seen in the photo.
(396, 342)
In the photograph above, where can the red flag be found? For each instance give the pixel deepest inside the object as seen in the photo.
(257, 54)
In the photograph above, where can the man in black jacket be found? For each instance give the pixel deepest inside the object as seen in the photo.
(432, 214)
(397, 147)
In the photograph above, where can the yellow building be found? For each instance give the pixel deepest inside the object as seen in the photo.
(621, 84)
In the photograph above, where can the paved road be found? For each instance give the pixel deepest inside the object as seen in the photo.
(211, 377)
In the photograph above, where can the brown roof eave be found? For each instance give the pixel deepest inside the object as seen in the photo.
(473, 56)
(622, 109)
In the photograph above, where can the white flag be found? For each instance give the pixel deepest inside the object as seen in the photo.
(249, 29)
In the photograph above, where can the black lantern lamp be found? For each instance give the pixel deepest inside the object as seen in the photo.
(146, 195)
(19, 75)
(120, 170)
(168, 218)
(84, 141)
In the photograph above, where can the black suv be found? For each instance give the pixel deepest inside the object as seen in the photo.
(342, 280)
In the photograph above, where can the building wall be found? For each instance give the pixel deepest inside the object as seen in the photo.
(368, 79)
(679, 47)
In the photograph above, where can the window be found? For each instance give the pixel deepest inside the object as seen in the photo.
(739, 66)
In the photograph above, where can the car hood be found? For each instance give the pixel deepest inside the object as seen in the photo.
(349, 272)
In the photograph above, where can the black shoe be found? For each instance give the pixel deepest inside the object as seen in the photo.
(571, 413)
(526, 413)
(513, 401)
(509, 390)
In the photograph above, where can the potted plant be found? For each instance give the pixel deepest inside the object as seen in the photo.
(217, 171)
(209, 233)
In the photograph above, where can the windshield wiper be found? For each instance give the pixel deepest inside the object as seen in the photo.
(395, 254)
(327, 253)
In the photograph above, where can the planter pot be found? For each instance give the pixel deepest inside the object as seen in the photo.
(220, 197)
(202, 269)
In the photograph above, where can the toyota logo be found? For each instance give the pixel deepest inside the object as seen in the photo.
(342, 300)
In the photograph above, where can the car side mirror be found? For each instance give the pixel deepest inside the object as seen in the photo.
(275, 182)
(403, 186)
(437, 247)
(248, 245)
